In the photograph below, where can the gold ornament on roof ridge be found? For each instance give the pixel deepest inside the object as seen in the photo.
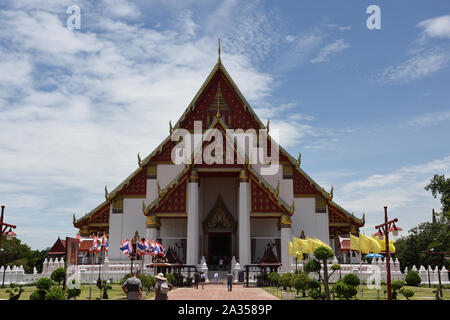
(331, 192)
(170, 127)
(267, 126)
(139, 160)
(218, 59)
(106, 193)
(299, 160)
(277, 191)
(159, 188)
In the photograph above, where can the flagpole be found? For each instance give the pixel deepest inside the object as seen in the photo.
(360, 266)
(92, 271)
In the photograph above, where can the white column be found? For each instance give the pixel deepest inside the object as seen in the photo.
(244, 219)
(286, 236)
(192, 220)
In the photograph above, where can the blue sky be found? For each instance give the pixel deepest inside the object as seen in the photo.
(368, 109)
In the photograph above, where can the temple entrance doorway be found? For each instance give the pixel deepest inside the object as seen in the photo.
(219, 253)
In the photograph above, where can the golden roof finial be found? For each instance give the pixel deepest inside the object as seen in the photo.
(267, 126)
(143, 206)
(170, 127)
(218, 100)
(74, 219)
(364, 218)
(106, 193)
(218, 60)
(139, 160)
(331, 192)
(299, 160)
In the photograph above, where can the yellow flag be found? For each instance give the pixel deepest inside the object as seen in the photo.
(323, 244)
(313, 244)
(354, 242)
(290, 251)
(299, 255)
(391, 246)
(383, 244)
(369, 244)
(302, 245)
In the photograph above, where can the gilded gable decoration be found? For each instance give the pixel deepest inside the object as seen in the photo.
(219, 218)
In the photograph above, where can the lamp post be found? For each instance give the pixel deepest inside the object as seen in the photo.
(9, 235)
(4, 226)
(437, 254)
(384, 229)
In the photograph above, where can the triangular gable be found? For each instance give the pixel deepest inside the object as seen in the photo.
(98, 215)
(263, 197)
(339, 214)
(58, 248)
(171, 199)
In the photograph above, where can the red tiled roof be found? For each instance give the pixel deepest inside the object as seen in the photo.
(85, 245)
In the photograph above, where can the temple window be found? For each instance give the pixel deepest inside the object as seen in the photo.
(288, 172)
(320, 205)
(151, 171)
(118, 205)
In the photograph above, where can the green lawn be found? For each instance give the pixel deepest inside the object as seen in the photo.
(420, 293)
(115, 293)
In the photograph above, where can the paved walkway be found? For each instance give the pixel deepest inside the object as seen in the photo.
(220, 292)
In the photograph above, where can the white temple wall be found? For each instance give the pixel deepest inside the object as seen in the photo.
(115, 234)
(173, 228)
(167, 172)
(305, 218)
(260, 227)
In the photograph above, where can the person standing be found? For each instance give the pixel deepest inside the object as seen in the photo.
(216, 278)
(132, 287)
(162, 287)
(230, 281)
(196, 280)
(203, 279)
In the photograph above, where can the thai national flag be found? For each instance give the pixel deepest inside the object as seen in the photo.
(155, 247)
(141, 247)
(126, 247)
(149, 249)
(105, 242)
(96, 246)
(162, 250)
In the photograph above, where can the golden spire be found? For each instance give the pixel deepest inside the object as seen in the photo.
(299, 160)
(139, 160)
(106, 193)
(267, 126)
(170, 127)
(218, 59)
(218, 96)
(331, 193)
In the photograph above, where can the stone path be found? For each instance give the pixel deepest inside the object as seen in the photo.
(220, 292)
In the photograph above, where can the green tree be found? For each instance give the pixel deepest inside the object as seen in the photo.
(55, 293)
(344, 290)
(58, 275)
(407, 293)
(322, 254)
(396, 285)
(285, 280)
(274, 278)
(301, 282)
(44, 284)
(171, 278)
(439, 185)
(413, 278)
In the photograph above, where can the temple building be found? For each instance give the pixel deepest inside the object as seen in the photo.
(218, 211)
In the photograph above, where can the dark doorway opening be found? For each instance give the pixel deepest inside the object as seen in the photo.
(219, 250)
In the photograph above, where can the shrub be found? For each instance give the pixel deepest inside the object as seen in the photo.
(73, 292)
(171, 278)
(407, 293)
(413, 278)
(55, 293)
(38, 295)
(345, 290)
(44, 284)
(323, 253)
(58, 275)
(148, 281)
(274, 278)
(313, 266)
(396, 285)
(351, 279)
(285, 280)
(314, 284)
(301, 282)
(316, 294)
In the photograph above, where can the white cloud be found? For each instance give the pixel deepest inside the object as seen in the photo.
(427, 119)
(438, 27)
(419, 66)
(330, 49)
(402, 191)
